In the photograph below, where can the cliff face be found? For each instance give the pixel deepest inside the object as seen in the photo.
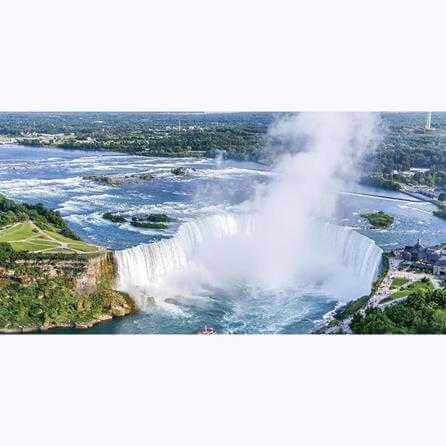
(99, 271)
(75, 293)
(99, 276)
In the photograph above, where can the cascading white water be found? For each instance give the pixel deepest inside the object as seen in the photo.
(144, 269)
(281, 241)
(210, 253)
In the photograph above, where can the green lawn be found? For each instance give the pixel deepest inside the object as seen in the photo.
(82, 246)
(56, 236)
(398, 282)
(26, 236)
(412, 288)
(32, 246)
(17, 232)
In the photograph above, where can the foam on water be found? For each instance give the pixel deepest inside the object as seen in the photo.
(288, 303)
(184, 267)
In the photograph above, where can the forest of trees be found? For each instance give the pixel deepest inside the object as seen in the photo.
(240, 135)
(404, 143)
(422, 312)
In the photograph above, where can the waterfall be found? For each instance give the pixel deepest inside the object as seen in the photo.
(227, 248)
(358, 252)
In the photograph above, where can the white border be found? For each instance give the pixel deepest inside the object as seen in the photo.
(232, 55)
(222, 56)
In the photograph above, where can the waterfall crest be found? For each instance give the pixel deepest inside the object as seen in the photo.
(228, 248)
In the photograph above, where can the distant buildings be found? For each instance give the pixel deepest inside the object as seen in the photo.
(440, 267)
(431, 259)
(411, 172)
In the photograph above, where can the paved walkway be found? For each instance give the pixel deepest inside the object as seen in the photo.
(384, 290)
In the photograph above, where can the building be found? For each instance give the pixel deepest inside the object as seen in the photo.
(440, 266)
(430, 259)
(414, 253)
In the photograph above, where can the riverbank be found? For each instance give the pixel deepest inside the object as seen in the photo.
(45, 329)
(338, 321)
(55, 178)
(49, 277)
(400, 287)
(41, 292)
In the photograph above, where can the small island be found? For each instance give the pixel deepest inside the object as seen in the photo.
(182, 171)
(113, 217)
(120, 180)
(379, 219)
(145, 221)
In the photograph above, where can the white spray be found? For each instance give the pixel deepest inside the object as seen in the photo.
(280, 238)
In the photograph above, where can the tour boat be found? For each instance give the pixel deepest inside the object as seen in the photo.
(207, 330)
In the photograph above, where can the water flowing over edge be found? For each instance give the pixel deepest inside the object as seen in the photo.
(146, 270)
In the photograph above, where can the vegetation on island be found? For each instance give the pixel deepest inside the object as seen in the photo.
(114, 218)
(148, 225)
(146, 221)
(161, 218)
(48, 279)
(379, 219)
(151, 221)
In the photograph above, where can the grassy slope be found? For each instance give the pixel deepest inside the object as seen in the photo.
(412, 288)
(398, 282)
(31, 297)
(25, 236)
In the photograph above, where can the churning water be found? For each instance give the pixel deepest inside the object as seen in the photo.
(187, 270)
(215, 253)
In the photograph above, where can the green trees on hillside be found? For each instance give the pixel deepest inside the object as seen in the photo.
(12, 212)
(423, 312)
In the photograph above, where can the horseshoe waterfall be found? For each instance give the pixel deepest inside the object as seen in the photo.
(223, 250)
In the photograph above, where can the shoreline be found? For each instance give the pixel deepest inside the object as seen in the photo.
(44, 329)
(332, 325)
(78, 326)
(194, 155)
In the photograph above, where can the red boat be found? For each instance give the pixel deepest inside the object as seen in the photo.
(207, 330)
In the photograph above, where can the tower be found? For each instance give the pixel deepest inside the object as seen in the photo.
(428, 121)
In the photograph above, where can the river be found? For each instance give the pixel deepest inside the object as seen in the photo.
(203, 205)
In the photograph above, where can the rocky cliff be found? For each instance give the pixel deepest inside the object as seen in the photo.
(98, 271)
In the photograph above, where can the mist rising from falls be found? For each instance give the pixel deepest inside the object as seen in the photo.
(218, 252)
(281, 238)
